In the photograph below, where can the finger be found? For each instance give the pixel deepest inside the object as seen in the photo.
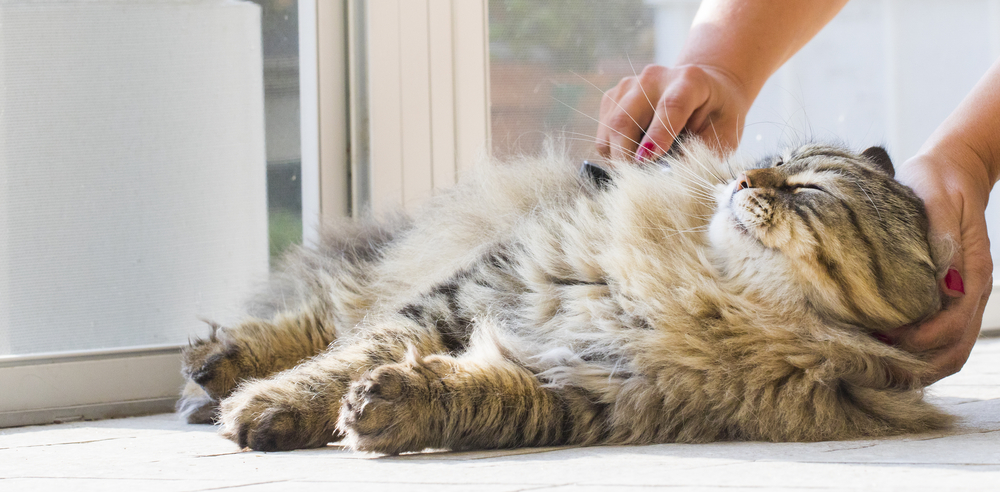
(673, 111)
(627, 123)
(609, 104)
(945, 329)
(950, 335)
(951, 360)
(968, 291)
(618, 130)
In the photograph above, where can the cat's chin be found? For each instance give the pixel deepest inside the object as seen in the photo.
(726, 232)
(728, 236)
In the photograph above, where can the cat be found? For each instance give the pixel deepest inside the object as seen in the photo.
(695, 300)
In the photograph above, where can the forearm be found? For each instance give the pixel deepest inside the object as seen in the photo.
(969, 139)
(750, 40)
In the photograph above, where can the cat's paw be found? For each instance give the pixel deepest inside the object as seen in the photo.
(394, 408)
(273, 415)
(195, 406)
(216, 363)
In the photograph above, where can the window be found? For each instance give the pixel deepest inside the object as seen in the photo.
(132, 191)
(133, 157)
(280, 49)
(550, 62)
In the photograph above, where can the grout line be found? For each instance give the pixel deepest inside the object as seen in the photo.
(853, 448)
(225, 487)
(67, 443)
(543, 487)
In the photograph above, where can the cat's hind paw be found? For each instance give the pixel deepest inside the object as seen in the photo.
(271, 415)
(394, 408)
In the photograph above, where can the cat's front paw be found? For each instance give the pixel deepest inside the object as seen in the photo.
(394, 408)
(274, 415)
(216, 363)
(195, 406)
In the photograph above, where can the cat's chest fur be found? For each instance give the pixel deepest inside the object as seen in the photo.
(562, 266)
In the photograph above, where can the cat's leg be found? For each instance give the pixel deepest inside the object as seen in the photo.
(317, 294)
(298, 408)
(254, 348)
(444, 402)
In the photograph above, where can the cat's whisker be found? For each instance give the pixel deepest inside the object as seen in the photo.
(583, 137)
(701, 179)
(599, 122)
(603, 92)
(697, 182)
(666, 124)
(719, 142)
(687, 231)
(862, 188)
(693, 178)
(695, 190)
(705, 197)
(706, 167)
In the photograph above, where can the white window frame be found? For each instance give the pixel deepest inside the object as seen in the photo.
(414, 103)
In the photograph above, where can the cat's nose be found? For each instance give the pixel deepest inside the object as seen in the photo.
(760, 178)
(743, 182)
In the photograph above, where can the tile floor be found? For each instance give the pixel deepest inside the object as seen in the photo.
(159, 453)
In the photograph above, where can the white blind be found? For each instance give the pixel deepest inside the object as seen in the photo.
(132, 179)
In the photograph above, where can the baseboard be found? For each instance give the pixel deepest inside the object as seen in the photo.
(39, 390)
(98, 411)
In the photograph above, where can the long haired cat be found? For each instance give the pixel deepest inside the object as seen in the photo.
(533, 305)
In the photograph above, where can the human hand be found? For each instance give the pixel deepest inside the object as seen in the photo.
(646, 112)
(955, 196)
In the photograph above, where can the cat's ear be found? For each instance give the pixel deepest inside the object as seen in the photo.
(878, 156)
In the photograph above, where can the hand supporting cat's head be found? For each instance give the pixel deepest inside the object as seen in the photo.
(835, 224)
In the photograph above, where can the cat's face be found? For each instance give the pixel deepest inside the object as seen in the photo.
(851, 238)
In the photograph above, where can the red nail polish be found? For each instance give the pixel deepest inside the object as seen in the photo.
(645, 151)
(953, 280)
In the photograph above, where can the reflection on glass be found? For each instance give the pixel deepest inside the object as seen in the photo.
(280, 38)
(550, 62)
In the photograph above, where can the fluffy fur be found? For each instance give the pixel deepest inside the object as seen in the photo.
(690, 301)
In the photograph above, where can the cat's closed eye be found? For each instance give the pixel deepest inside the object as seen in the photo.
(798, 188)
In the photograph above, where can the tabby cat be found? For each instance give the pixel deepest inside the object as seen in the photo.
(694, 300)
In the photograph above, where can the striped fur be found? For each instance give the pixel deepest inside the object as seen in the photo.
(696, 301)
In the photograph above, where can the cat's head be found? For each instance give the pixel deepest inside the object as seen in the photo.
(850, 238)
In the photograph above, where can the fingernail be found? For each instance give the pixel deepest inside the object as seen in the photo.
(645, 151)
(953, 280)
(882, 337)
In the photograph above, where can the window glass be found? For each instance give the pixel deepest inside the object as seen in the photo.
(550, 61)
(132, 182)
(280, 43)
